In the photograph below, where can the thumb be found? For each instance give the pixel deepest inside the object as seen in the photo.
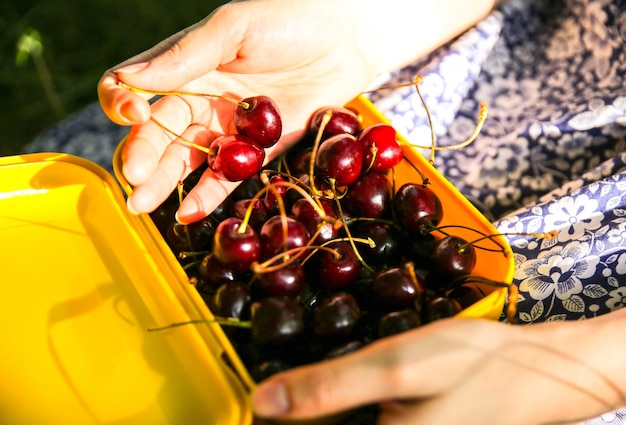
(323, 389)
(183, 57)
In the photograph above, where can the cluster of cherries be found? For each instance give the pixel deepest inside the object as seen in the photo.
(318, 253)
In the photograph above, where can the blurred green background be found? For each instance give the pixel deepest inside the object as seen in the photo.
(53, 52)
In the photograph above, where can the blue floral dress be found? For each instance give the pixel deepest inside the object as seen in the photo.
(551, 155)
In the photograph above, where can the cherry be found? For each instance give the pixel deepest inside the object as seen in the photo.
(397, 322)
(340, 158)
(336, 315)
(417, 207)
(299, 162)
(232, 299)
(235, 157)
(260, 120)
(338, 266)
(281, 281)
(271, 196)
(213, 273)
(197, 236)
(381, 151)
(280, 234)
(343, 349)
(369, 196)
(441, 308)
(276, 320)
(258, 214)
(398, 288)
(306, 214)
(453, 257)
(235, 246)
(466, 294)
(387, 249)
(342, 121)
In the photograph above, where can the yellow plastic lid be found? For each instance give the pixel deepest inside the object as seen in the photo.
(82, 282)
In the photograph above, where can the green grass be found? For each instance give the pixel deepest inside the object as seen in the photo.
(79, 40)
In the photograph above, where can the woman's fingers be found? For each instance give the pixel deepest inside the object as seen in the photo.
(413, 366)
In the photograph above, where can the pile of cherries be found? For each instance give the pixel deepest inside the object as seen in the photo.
(318, 253)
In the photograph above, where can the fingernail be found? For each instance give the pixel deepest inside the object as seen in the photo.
(130, 111)
(130, 207)
(132, 68)
(271, 399)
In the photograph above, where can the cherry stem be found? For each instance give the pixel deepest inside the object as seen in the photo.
(226, 321)
(544, 235)
(350, 238)
(318, 139)
(512, 290)
(482, 117)
(184, 139)
(244, 105)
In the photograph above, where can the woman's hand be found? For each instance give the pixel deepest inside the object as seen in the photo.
(301, 54)
(455, 371)
(304, 55)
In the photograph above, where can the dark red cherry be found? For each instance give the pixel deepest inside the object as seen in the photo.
(417, 207)
(236, 157)
(336, 315)
(213, 273)
(306, 214)
(396, 288)
(276, 320)
(397, 322)
(381, 151)
(260, 121)
(441, 308)
(340, 158)
(281, 233)
(338, 268)
(466, 294)
(452, 257)
(235, 248)
(232, 299)
(387, 249)
(258, 213)
(300, 162)
(369, 196)
(196, 236)
(270, 200)
(287, 280)
(342, 121)
(343, 349)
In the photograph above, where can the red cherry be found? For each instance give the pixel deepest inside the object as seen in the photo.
(339, 269)
(336, 315)
(260, 121)
(453, 257)
(236, 157)
(304, 212)
(275, 320)
(417, 207)
(341, 158)
(396, 288)
(235, 248)
(275, 240)
(342, 121)
(380, 144)
(284, 281)
(369, 196)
